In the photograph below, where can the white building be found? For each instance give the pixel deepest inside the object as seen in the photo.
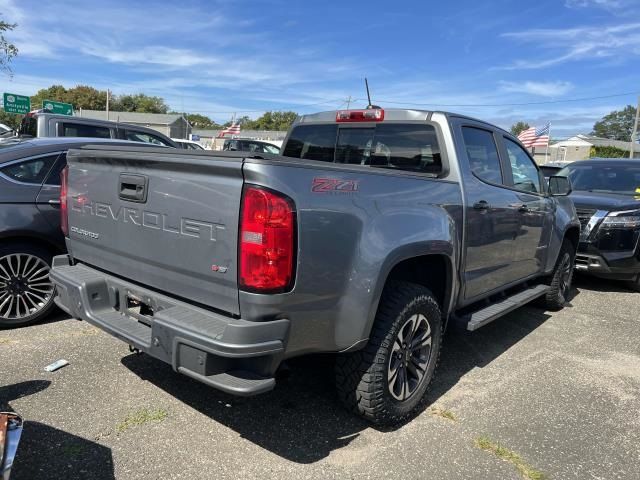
(580, 148)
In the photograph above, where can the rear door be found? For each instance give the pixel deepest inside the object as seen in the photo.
(48, 199)
(159, 218)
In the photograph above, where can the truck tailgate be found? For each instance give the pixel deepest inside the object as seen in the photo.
(161, 218)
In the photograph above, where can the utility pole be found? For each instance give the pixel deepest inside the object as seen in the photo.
(633, 141)
(348, 102)
(108, 95)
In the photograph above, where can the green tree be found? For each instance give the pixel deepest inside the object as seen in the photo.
(271, 121)
(616, 125)
(139, 102)
(7, 49)
(55, 92)
(603, 151)
(200, 121)
(84, 96)
(519, 127)
(245, 121)
(10, 119)
(80, 96)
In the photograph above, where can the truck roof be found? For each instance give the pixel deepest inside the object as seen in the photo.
(397, 114)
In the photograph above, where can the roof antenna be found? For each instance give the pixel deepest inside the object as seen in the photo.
(369, 106)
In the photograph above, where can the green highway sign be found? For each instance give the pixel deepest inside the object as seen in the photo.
(57, 107)
(16, 103)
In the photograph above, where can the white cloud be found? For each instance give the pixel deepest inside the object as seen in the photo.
(544, 89)
(581, 43)
(611, 5)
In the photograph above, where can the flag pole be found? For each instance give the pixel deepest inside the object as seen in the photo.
(546, 159)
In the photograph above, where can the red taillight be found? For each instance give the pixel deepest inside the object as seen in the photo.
(371, 115)
(64, 214)
(267, 241)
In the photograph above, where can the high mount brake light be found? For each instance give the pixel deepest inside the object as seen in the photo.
(371, 115)
(267, 241)
(64, 213)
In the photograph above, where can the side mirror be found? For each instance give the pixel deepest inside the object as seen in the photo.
(10, 432)
(559, 186)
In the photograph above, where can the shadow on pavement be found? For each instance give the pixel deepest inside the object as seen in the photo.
(596, 284)
(301, 420)
(48, 453)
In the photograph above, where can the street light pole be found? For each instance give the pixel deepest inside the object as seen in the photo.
(632, 143)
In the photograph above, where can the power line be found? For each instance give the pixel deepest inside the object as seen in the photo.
(292, 105)
(548, 102)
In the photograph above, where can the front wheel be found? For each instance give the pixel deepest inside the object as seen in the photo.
(386, 381)
(26, 292)
(561, 278)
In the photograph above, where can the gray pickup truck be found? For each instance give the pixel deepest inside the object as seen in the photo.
(372, 232)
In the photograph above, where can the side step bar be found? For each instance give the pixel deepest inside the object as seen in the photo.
(480, 318)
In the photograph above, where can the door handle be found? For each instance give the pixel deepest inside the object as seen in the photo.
(481, 205)
(133, 188)
(54, 202)
(522, 207)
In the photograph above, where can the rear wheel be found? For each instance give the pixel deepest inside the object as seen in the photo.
(561, 278)
(386, 381)
(26, 292)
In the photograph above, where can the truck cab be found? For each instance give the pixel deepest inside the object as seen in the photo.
(38, 124)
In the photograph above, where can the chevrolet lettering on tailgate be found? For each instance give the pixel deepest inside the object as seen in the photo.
(188, 227)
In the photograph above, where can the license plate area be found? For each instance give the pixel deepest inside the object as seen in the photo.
(138, 307)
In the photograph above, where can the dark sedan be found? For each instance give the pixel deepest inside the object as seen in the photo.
(606, 194)
(30, 223)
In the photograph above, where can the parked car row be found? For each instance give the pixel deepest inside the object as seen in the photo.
(30, 232)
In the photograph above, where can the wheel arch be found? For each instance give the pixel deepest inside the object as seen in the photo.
(434, 270)
(573, 235)
(21, 238)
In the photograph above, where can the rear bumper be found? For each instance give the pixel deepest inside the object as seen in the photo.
(230, 354)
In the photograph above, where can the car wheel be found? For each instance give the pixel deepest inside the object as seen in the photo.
(634, 284)
(26, 292)
(561, 278)
(386, 381)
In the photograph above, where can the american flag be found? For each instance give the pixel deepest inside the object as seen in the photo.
(234, 129)
(535, 136)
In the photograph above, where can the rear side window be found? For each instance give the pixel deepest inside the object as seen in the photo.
(80, 130)
(144, 137)
(409, 147)
(230, 145)
(483, 154)
(313, 142)
(30, 171)
(28, 126)
(54, 174)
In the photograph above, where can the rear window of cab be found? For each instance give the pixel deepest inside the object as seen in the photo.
(410, 147)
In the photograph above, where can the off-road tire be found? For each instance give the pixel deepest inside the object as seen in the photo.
(362, 377)
(45, 257)
(560, 284)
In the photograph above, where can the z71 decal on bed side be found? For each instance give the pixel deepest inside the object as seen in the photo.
(327, 185)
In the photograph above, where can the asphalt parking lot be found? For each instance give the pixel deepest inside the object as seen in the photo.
(535, 394)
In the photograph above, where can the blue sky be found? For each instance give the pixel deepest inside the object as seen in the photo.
(219, 57)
